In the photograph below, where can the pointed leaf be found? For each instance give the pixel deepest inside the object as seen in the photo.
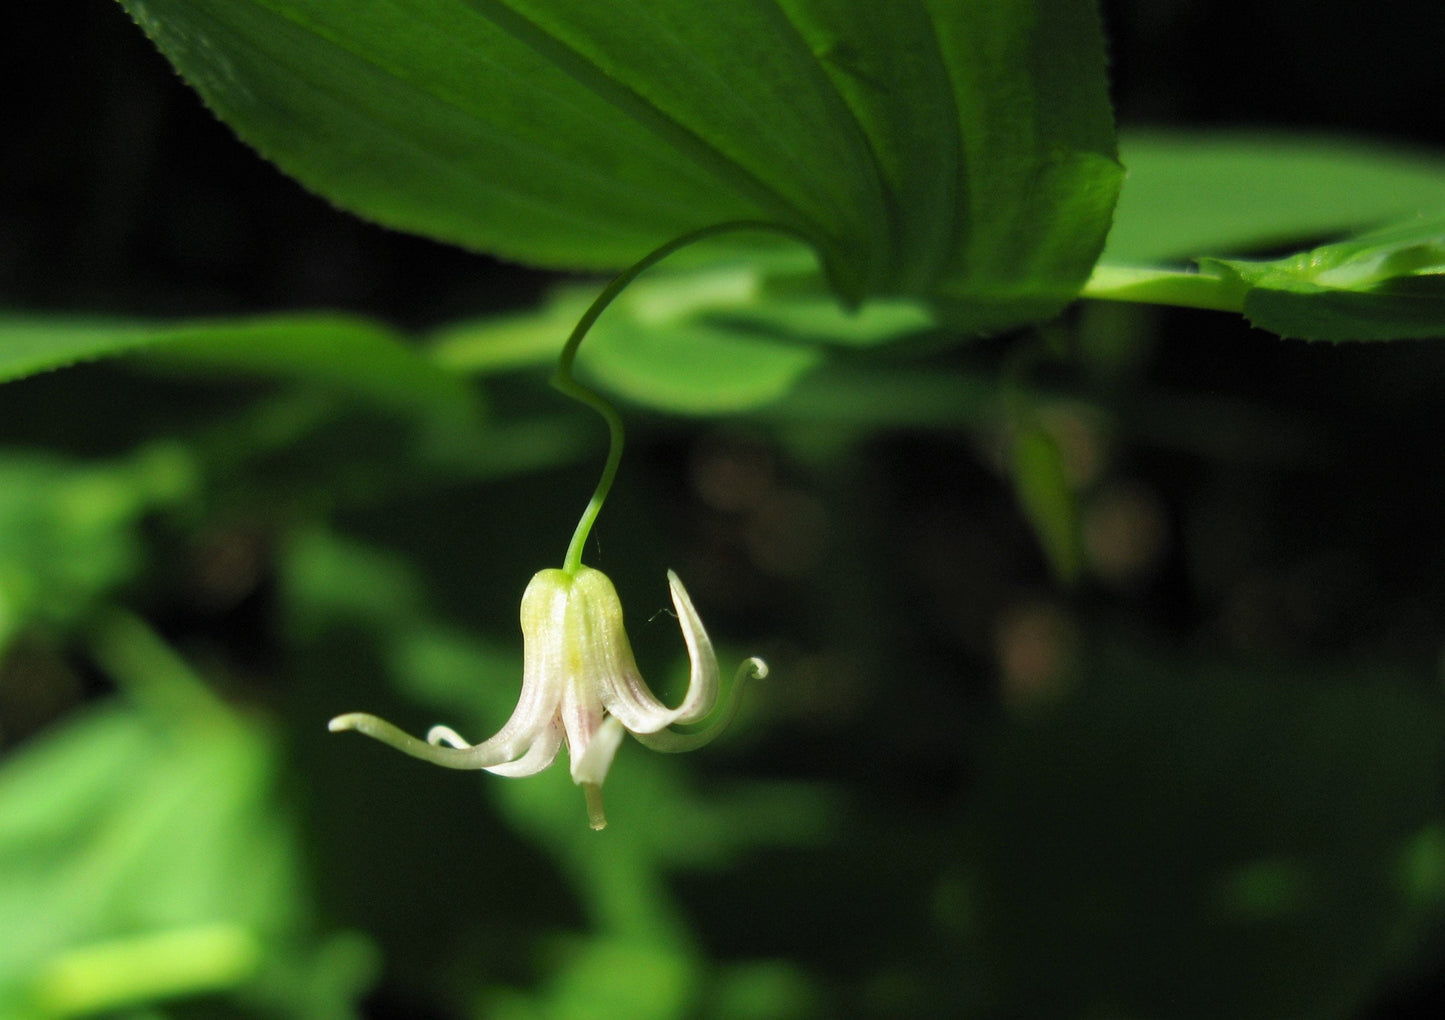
(1047, 499)
(1383, 285)
(349, 353)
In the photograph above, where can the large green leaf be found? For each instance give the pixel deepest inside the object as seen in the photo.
(1192, 193)
(959, 150)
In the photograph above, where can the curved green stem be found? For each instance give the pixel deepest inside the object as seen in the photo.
(564, 381)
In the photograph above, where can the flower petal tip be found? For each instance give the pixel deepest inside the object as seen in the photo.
(439, 735)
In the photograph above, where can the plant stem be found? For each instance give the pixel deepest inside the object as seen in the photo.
(1158, 286)
(565, 382)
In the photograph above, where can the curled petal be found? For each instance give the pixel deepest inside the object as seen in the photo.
(541, 754)
(671, 743)
(544, 606)
(439, 734)
(627, 696)
(702, 684)
(479, 756)
(592, 764)
(524, 736)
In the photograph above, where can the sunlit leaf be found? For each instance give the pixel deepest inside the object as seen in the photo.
(145, 854)
(150, 841)
(1193, 193)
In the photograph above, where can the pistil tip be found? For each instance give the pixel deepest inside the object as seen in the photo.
(595, 815)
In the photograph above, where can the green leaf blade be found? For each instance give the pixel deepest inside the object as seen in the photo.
(345, 353)
(737, 90)
(951, 151)
(899, 93)
(426, 117)
(1038, 158)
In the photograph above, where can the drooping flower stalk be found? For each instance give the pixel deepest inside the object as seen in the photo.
(565, 382)
(580, 681)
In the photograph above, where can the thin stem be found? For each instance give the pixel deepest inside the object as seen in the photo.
(1157, 286)
(564, 381)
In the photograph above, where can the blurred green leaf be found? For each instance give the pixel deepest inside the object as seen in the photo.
(144, 853)
(1387, 284)
(1188, 193)
(68, 530)
(348, 353)
(153, 838)
(956, 151)
(713, 338)
(612, 977)
(716, 337)
(1048, 500)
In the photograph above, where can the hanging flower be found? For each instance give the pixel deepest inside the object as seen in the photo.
(580, 684)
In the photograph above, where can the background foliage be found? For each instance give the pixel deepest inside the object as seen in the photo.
(1107, 653)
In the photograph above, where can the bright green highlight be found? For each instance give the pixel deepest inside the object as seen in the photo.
(124, 829)
(1181, 288)
(143, 968)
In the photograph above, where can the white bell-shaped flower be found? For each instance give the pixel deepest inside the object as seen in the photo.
(580, 683)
